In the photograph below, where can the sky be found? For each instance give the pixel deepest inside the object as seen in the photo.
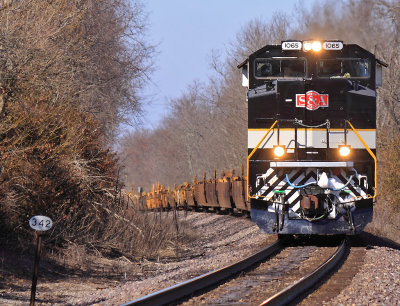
(186, 32)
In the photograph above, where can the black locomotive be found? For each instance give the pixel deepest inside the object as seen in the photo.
(311, 166)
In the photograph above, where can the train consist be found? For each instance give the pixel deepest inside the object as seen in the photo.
(224, 194)
(311, 136)
(311, 165)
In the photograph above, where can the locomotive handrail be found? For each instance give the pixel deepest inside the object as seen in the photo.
(370, 153)
(351, 126)
(252, 153)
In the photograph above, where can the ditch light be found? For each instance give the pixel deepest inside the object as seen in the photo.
(279, 151)
(344, 150)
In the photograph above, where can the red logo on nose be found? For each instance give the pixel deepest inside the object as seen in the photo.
(312, 100)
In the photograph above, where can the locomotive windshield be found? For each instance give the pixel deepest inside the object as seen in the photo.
(280, 67)
(344, 68)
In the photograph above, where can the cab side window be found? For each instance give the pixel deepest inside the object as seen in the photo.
(279, 68)
(266, 68)
(344, 68)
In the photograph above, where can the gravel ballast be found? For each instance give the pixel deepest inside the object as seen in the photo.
(377, 282)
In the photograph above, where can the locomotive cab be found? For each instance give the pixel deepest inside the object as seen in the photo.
(311, 166)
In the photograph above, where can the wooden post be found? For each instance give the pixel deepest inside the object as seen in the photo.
(36, 266)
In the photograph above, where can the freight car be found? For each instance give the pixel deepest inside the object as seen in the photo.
(226, 194)
(311, 136)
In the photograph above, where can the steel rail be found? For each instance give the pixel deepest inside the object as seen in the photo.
(290, 293)
(189, 287)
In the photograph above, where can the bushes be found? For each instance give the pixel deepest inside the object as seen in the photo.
(52, 163)
(387, 209)
(388, 171)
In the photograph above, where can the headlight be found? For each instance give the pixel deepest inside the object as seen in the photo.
(316, 46)
(344, 150)
(279, 151)
(307, 46)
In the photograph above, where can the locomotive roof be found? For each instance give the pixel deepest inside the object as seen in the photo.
(275, 46)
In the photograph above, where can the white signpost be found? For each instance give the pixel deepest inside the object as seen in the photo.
(40, 224)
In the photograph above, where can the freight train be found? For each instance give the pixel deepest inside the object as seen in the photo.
(311, 165)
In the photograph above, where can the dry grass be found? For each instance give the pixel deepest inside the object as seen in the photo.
(386, 223)
(146, 234)
(123, 254)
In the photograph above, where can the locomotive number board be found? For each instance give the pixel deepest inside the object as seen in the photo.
(298, 45)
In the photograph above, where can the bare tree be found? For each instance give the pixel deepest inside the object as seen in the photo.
(207, 125)
(89, 54)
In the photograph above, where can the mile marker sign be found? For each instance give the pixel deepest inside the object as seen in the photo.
(40, 223)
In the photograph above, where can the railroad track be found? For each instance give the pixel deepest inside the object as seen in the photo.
(258, 275)
(305, 283)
